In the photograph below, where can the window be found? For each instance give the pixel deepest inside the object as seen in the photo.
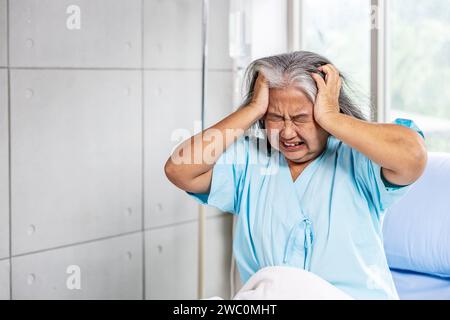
(417, 49)
(419, 67)
(340, 31)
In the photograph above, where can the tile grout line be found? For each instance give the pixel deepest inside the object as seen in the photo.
(115, 69)
(74, 244)
(8, 72)
(143, 155)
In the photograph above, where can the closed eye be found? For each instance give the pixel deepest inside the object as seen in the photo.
(301, 118)
(274, 117)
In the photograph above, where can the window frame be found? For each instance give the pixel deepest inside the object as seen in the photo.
(379, 39)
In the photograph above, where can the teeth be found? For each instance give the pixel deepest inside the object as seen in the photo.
(291, 144)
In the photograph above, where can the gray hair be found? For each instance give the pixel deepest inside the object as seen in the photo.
(294, 68)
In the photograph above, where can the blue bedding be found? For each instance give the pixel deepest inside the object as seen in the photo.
(416, 234)
(418, 286)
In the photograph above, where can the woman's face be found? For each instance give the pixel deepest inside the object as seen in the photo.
(290, 121)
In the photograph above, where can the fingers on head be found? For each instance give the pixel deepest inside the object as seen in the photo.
(329, 69)
(319, 80)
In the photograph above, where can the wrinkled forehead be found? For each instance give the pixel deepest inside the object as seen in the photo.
(289, 99)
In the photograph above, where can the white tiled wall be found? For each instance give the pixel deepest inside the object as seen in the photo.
(4, 163)
(107, 269)
(73, 155)
(92, 111)
(173, 113)
(218, 256)
(178, 44)
(4, 279)
(42, 33)
(220, 93)
(173, 34)
(172, 260)
(218, 52)
(172, 105)
(3, 28)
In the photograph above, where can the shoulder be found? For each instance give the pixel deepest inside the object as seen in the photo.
(343, 150)
(348, 160)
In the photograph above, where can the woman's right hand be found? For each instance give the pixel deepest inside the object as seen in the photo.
(196, 177)
(260, 99)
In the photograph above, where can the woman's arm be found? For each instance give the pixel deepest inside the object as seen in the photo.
(190, 165)
(400, 151)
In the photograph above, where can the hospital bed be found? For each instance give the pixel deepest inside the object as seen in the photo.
(416, 234)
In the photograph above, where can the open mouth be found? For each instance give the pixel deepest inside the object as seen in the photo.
(292, 146)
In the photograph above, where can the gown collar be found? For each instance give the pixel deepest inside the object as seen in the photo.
(302, 181)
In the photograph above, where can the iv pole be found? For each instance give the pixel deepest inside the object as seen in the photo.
(201, 208)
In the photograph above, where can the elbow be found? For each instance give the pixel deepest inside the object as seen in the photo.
(421, 157)
(177, 174)
(171, 171)
(411, 161)
(418, 157)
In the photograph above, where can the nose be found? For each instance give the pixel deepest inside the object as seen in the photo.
(288, 131)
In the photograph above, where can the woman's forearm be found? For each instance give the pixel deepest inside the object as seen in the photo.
(198, 154)
(400, 151)
(190, 165)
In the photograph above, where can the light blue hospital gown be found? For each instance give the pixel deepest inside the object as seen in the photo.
(328, 221)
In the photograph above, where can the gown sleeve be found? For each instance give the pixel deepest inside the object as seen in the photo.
(369, 176)
(227, 178)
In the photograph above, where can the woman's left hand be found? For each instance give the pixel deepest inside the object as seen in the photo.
(327, 99)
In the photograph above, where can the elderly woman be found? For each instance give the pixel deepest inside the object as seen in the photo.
(312, 193)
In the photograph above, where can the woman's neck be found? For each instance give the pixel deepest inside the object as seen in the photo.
(297, 168)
